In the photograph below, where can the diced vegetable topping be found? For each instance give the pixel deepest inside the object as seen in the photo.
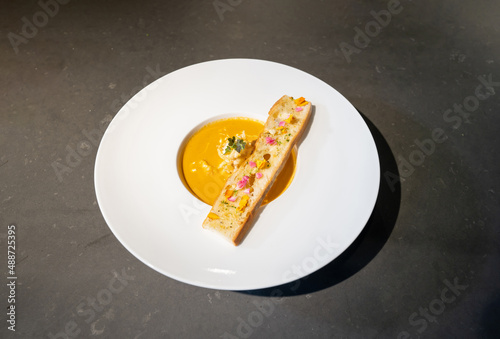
(243, 203)
(213, 216)
(301, 101)
(228, 193)
(261, 164)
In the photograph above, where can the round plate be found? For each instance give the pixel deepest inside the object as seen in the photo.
(149, 210)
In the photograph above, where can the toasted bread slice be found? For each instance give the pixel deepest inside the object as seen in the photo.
(245, 189)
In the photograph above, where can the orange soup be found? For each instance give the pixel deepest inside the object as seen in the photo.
(214, 151)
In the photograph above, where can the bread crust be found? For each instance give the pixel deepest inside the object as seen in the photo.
(287, 121)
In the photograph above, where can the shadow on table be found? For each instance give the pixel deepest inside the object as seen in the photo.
(367, 244)
(489, 325)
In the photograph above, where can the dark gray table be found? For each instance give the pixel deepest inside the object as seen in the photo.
(425, 76)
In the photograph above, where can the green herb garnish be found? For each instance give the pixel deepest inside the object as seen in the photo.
(236, 144)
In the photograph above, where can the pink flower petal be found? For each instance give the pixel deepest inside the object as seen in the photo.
(298, 109)
(252, 164)
(247, 191)
(270, 141)
(233, 198)
(282, 123)
(258, 175)
(243, 182)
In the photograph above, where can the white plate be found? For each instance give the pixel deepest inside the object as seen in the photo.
(155, 217)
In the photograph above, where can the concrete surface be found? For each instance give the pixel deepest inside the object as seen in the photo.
(427, 81)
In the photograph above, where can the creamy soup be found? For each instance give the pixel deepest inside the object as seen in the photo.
(217, 149)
